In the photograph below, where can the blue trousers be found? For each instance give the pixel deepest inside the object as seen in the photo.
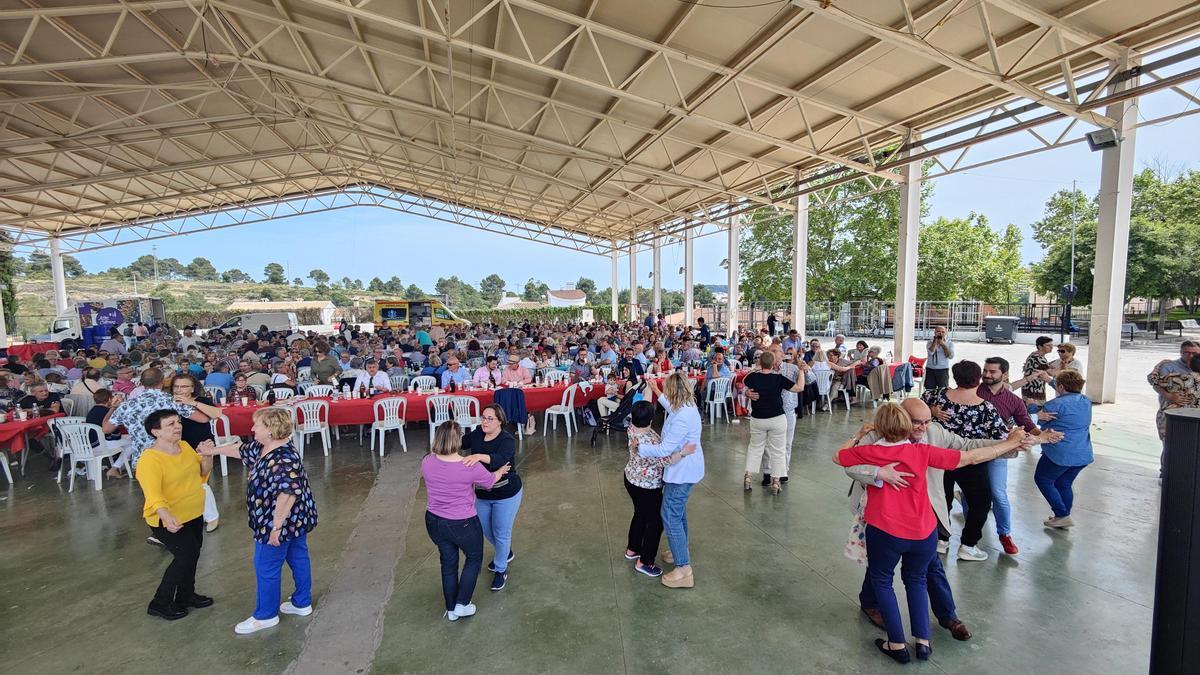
(496, 517)
(941, 598)
(998, 475)
(450, 537)
(268, 567)
(1054, 482)
(674, 517)
(913, 555)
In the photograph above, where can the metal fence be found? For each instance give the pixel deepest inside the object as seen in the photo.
(876, 318)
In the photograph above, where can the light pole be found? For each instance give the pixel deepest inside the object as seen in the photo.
(134, 275)
(154, 255)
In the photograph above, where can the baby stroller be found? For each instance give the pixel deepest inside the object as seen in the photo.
(618, 418)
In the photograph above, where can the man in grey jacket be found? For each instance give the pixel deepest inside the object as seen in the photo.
(924, 430)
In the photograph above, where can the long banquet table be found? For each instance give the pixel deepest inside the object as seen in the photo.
(362, 411)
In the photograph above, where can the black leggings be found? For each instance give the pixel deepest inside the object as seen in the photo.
(646, 525)
(179, 580)
(977, 492)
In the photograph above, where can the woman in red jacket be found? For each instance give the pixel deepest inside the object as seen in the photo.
(901, 525)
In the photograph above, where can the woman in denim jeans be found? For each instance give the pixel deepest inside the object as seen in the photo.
(450, 517)
(681, 433)
(489, 444)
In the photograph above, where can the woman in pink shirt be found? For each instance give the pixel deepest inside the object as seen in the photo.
(450, 517)
(901, 525)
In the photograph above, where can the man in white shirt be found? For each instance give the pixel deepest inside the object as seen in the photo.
(373, 377)
(188, 340)
(527, 363)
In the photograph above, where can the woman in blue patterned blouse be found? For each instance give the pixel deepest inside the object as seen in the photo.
(281, 512)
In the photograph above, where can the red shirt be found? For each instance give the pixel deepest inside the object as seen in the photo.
(903, 513)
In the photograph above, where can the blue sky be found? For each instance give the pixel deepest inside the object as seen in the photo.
(347, 242)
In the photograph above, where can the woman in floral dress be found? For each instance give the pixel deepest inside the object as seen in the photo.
(1187, 385)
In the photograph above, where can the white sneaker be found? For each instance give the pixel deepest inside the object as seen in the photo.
(1060, 523)
(253, 625)
(289, 608)
(943, 547)
(971, 553)
(451, 616)
(464, 610)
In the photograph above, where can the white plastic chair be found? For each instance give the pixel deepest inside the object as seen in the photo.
(735, 364)
(304, 374)
(423, 382)
(399, 382)
(466, 412)
(68, 406)
(719, 390)
(389, 416)
(57, 437)
(77, 440)
(319, 390)
(545, 372)
(565, 409)
(222, 435)
(438, 409)
(824, 387)
(830, 328)
(83, 402)
(556, 376)
(604, 372)
(282, 393)
(311, 416)
(259, 389)
(217, 394)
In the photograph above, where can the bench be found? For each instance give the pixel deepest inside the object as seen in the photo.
(1189, 324)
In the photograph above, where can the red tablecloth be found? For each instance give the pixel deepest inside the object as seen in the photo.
(13, 432)
(26, 351)
(362, 411)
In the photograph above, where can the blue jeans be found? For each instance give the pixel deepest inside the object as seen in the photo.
(450, 537)
(883, 553)
(941, 598)
(268, 566)
(998, 475)
(674, 516)
(496, 517)
(1054, 481)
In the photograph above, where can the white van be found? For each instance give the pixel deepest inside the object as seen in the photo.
(283, 322)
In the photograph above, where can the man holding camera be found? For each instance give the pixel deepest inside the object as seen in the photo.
(940, 351)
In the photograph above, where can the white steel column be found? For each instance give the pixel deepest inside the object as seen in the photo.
(1112, 250)
(906, 259)
(800, 262)
(735, 230)
(56, 273)
(613, 286)
(657, 277)
(689, 293)
(633, 282)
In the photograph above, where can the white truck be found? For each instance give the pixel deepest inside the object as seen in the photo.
(88, 323)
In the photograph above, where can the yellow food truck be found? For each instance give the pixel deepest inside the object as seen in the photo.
(405, 313)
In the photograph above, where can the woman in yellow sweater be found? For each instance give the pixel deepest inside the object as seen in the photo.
(172, 476)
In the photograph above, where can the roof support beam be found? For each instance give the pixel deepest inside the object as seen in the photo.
(917, 45)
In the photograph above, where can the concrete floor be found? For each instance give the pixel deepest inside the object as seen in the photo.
(773, 594)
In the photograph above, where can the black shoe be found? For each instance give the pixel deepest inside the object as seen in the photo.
(498, 580)
(766, 479)
(491, 566)
(170, 611)
(783, 480)
(924, 651)
(197, 601)
(898, 655)
(153, 541)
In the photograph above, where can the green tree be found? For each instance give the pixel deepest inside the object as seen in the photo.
(236, 276)
(171, 268)
(589, 289)
(319, 276)
(964, 258)
(8, 288)
(347, 283)
(414, 292)
(535, 291)
(393, 286)
(491, 289)
(460, 294)
(297, 281)
(39, 264)
(702, 295)
(274, 273)
(376, 285)
(202, 269)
